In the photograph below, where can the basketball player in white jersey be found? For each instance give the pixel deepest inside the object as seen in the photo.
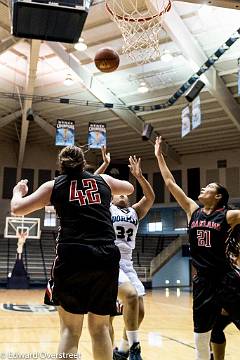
(125, 220)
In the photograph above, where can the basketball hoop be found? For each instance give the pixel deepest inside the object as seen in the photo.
(140, 22)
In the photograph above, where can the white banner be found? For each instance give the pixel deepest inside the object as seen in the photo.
(185, 121)
(196, 113)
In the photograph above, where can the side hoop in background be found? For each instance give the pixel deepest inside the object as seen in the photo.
(140, 25)
(19, 224)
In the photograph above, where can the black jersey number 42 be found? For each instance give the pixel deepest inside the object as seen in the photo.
(88, 195)
(122, 232)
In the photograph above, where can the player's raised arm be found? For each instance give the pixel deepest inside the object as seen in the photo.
(22, 205)
(118, 187)
(106, 161)
(142, 206)
(186, 203)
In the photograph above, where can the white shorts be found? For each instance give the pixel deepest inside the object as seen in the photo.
(128, 274)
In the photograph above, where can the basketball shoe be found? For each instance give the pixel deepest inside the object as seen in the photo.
(135, 352)
(119, 355)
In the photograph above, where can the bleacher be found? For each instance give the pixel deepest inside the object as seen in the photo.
(38, 256)
(147, 247)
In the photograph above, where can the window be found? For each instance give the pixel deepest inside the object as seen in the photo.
(29, 175)
(193, 176)
(158, 187)
(9, 181)
(43, 176)
(50, 216)
(155, 226)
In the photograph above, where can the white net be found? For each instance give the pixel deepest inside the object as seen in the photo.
(140, 22)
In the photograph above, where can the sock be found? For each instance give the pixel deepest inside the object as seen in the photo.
(123, 346)
(202, 344)
(132, 337)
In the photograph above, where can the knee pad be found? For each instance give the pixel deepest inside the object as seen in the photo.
(202, 343)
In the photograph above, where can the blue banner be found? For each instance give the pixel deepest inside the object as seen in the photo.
(97, 135)
(65, 133)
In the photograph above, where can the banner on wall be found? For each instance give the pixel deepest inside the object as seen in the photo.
(65, 133)
(196, 113)
(185, 121)
(97, 135)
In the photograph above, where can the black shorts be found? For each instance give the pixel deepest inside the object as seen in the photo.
(210, 295)
(85, 278)
(229, 295)
(205, 305)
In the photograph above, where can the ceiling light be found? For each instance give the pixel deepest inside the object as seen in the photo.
(143, 88)
(80, 45)
(69, 80)
(166, 56)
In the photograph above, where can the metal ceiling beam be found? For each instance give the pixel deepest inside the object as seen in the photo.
(178, 31)
(105, 95)
(48, 128)
(8, 43)
(9, 118)
(31, 77)
(231, 4)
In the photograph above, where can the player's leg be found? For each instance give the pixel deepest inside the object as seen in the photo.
(70, 331)
(141, 312)
(101, 341)
(205, 311)
(218, 340)
(140, 319)
(129, 297)
(131, 337)
(111, 329)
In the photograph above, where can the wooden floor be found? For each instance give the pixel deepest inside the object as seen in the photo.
(166, 332)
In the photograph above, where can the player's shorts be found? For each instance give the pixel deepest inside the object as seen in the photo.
(85, 278)
(229, 295)
(210, 295)
(205, 305)
(128, 274)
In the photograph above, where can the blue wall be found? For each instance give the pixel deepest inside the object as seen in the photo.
(177, 268)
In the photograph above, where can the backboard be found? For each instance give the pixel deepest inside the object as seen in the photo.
(17, 225)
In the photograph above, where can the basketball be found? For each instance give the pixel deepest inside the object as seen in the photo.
(106, 60)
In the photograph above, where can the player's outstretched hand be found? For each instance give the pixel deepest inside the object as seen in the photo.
(135, 166)
(158, 146)
(105, 156)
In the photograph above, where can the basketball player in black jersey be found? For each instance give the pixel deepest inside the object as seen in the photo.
(229, 293)
(208, 231)
(85, 271)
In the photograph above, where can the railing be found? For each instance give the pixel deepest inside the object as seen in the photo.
(143, 272)
(166, 254)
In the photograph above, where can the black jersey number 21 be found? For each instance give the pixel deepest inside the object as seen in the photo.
(204, 238)
(121, 233)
